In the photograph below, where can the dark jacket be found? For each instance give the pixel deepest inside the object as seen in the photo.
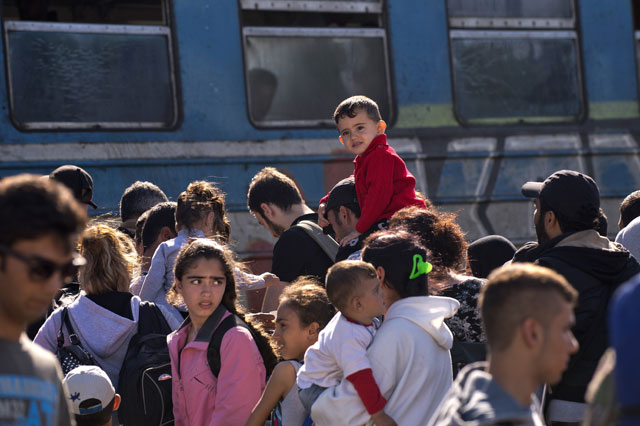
(595, 267)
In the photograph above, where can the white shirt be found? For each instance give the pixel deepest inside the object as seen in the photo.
(340, 351)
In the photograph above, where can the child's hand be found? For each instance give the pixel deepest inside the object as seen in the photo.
(270, 280)
(322, 219)
(353, 234)
(382, 419)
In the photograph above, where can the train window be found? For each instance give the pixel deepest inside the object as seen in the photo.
(317, 51)
(115, 72)
(515, 61)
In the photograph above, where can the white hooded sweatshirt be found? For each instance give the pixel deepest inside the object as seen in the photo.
(411, 364)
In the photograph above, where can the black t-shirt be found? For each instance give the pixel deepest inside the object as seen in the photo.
(296, 254)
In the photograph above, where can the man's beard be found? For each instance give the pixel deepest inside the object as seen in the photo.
(276, 230)
(540, 232)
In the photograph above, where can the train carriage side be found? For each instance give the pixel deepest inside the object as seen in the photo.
(481, 96)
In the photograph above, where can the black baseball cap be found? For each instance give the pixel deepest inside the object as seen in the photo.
(571, 194)
(77, 180)
(343, 193)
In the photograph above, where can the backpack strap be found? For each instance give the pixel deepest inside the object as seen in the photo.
(72, 333)
(326, 243)
(213, 350)
(151, 320)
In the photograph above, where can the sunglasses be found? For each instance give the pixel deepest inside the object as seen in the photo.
(42, 269)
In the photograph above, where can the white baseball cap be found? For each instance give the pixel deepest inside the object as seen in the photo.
(89, 388)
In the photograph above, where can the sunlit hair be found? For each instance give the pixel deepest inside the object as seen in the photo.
(111, 260)
(308, 299)
(200, 199)
(395, 251)
(203, 248)
(439, 233)
(345, 280)
(517, 292)
(350, 107)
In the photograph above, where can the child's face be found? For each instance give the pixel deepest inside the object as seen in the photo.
(290, 335)
(357, 133)
(202, 287)
(371, 298)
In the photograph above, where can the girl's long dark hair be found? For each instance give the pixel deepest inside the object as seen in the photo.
(202, 248)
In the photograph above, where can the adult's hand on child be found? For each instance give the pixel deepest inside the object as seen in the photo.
(345, 240)
(322, 219)
(382, 419)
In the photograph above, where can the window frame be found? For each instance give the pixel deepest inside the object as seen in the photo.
(517, 28)
(57, 27)
(315, 6)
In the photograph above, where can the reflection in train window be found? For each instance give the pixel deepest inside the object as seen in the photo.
(515, 61)
(115, 72)
(320, 51)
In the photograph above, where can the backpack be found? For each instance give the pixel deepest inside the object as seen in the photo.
(326, 243)
(213, 350)
(73, 355)
(144, 382)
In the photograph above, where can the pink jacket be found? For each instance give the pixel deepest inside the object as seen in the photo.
(199, 398)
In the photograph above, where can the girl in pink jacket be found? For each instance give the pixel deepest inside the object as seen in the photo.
(204, 280)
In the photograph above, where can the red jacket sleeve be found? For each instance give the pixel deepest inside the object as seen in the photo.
(379, 189)
(368, 390)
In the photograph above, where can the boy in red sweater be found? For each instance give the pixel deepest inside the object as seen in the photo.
(383, 183)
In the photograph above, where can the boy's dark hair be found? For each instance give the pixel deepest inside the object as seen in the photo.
(566, 224)
(138, 198)
(197, 201)
(100, 418)
(271, 186)
(516, 292)
(32, 207)
(309, 300)
(438, 232)
(395, 251)
(630, 208)
(350, 107)
(158, 217)
(344, 281)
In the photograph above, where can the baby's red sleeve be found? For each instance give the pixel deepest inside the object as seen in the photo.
(368, 390)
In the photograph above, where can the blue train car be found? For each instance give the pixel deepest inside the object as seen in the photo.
(480, 95)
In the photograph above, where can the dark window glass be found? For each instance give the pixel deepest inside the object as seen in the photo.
(510, 8)
(524, 77)
(299, 80)
(81, 79)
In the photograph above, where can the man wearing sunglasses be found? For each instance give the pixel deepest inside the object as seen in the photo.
(39, 224)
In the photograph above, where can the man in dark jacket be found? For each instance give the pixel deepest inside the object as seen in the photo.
(566, 214)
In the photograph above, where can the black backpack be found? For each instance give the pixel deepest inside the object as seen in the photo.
(73, 355)
(144, 382)
(213, 350)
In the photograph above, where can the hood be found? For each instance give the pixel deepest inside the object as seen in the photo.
(101, 331)
(476, 399)
(587, 251)
(597, 256)
(428, 313)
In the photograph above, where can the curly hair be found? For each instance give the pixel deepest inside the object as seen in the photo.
(200, 199)
(308, 299)
(111, 260)
(438, 232)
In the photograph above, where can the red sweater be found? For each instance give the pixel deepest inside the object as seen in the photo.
(383, 184)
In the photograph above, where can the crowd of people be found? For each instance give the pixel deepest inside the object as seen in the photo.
(384, 313)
